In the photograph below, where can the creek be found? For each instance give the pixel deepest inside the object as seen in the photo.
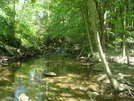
(70, 84)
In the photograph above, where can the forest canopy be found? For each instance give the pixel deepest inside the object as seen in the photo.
(31, 23)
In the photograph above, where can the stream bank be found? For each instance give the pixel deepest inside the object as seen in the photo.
(81, 82)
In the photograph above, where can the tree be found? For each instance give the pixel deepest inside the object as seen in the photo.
(113, 81)
(115, 84)
(8, 24)
(85, 17)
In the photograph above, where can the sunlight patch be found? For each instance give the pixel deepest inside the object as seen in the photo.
(21, 76)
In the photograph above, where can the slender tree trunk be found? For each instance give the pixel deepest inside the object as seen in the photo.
(48, 12)
(101, 21)
(123, 24)
(123, 45)
(127, 24)
(88, 34)
(113, 81)
(13, 18)
(128, 62)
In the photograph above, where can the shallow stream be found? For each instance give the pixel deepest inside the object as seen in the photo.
(70, 84)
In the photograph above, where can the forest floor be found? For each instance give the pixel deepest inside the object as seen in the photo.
(122, 71)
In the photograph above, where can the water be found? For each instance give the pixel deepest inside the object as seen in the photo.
(70, 84)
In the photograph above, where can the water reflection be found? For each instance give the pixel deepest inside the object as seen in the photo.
(18, 91)
(29, 79)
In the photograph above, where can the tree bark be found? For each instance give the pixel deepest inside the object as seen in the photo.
(101, 21)
(88, 34)
(123, 24)
(113, 81)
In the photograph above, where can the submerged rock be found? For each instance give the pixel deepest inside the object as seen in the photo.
(50, 74)
(23, 97)
(92, 95)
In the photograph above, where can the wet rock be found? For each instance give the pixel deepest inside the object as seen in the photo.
(91, 94)
(92, 88)
(59, 51)
(23, 97)
(50, 74)
(82, 89)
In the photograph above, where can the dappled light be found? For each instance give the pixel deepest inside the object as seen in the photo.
(66, 50)
(29, 79)
(72, 80)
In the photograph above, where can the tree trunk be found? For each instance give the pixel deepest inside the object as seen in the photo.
(113, 81)
(101, 22)
(88, 34)
(13, 18)
(123, 46)
(123, 24)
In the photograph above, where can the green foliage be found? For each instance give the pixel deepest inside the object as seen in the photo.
(6, 34)
(37, 22)
(66, 21)
(19, 27)
(33, 1)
